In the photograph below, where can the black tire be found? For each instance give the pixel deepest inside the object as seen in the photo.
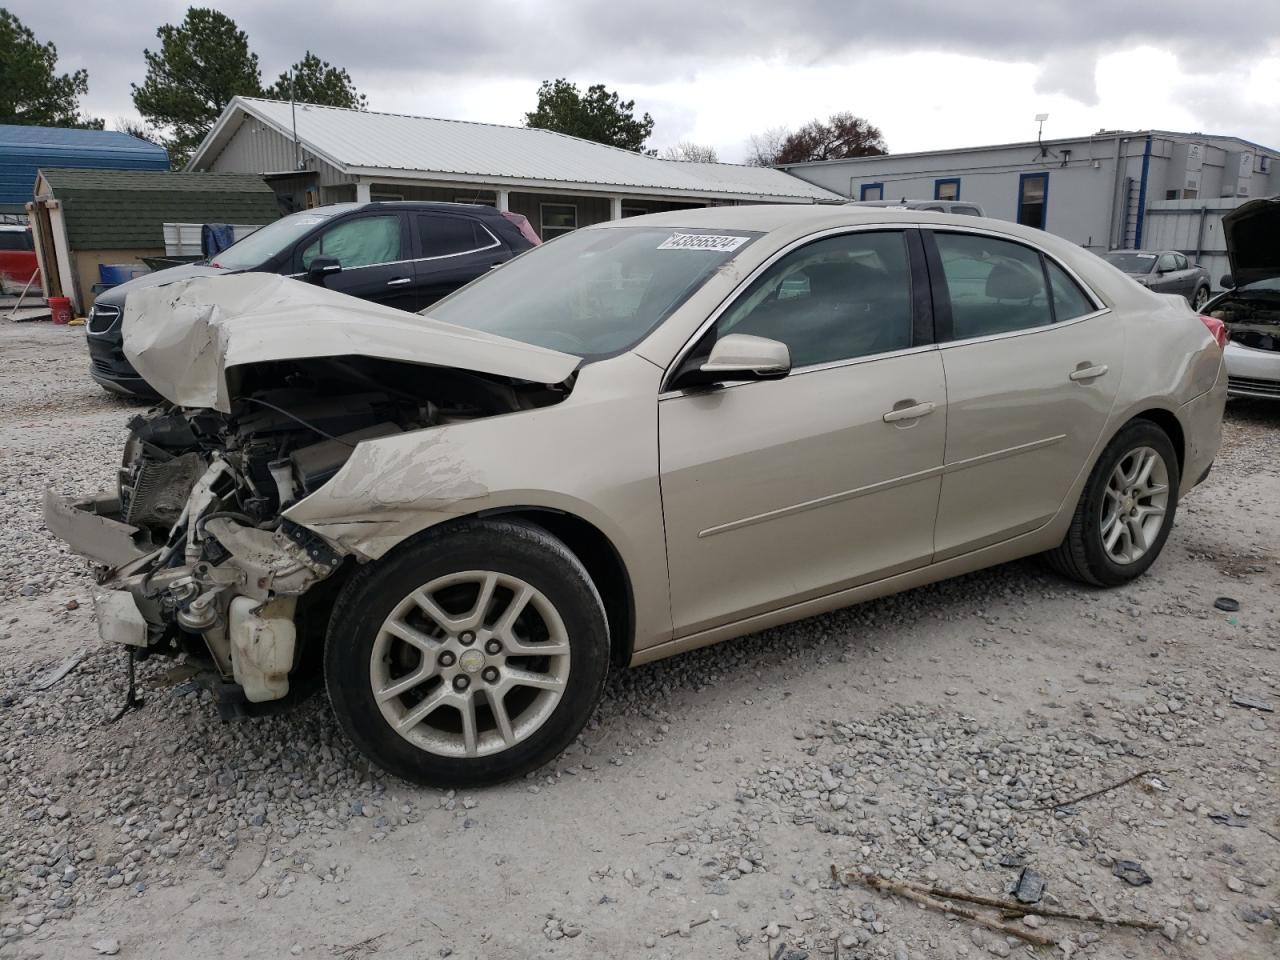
(506, 547)
(1082, 555)
(1200, 298)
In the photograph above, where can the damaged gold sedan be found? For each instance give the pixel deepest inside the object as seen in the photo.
(642, 438)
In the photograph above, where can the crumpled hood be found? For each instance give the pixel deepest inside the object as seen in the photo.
(184, 337)
(1252, 233)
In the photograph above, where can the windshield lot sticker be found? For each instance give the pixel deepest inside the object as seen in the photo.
(701, 241)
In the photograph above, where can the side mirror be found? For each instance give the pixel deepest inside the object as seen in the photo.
(739, 357)
(1227, 282)
(322, 267)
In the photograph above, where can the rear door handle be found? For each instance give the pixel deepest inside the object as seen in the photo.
(913, 412)
(1089, 373)
(399, 281)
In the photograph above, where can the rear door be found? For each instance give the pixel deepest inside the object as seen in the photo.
(452, 250)
(780, 491)
(376, 255)
(1033, 365)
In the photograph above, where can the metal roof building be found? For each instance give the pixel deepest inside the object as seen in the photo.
(316, 155)
(24, 150)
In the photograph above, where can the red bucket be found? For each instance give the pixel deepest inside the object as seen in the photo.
(60, 308)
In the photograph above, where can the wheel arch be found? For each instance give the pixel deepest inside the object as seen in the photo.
(597, 554)
(1167, 421)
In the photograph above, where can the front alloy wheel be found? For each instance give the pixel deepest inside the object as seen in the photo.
(469, 655)
(470, 664)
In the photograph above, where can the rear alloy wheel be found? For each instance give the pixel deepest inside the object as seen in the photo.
(1125, 512)
(1200, 299)
(471, 656)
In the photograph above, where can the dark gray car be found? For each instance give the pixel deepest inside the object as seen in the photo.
(1165, 271)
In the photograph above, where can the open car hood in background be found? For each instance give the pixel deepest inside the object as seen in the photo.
(1252, 233)
(184, 337)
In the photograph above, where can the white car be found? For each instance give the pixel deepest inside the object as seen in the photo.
(1251, 305)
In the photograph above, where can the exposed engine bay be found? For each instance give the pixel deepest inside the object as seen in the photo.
(1254, 322)
(219, 574)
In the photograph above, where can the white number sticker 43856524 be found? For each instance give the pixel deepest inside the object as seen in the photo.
(701, 241)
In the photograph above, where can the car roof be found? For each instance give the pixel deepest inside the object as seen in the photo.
(423, 206)
(767, 217)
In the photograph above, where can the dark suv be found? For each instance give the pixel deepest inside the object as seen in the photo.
(402, 254)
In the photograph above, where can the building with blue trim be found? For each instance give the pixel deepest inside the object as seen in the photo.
(25, 150)
(1101, 191)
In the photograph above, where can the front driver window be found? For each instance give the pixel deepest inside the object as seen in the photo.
(358, 243)
(834, 299)
(1167, 263)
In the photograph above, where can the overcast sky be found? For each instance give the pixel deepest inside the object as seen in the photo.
(931, 74)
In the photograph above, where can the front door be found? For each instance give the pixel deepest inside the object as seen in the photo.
(1032, 370)
(776, 492)
(376, 259)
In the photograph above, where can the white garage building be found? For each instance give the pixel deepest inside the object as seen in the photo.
(315, 155)
(1113, 189)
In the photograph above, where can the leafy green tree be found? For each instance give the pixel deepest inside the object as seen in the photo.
(201, 64)
(318, 81)
(32, 92)
(597, 115)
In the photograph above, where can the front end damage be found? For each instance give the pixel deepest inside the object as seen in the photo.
(193, 552)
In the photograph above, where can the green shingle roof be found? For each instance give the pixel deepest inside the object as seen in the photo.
(116, 209)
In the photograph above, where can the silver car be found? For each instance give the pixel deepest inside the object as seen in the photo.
(641, 438)
(1251, 307)
(1165, 271)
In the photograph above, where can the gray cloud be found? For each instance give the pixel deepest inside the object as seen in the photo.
(448, 43)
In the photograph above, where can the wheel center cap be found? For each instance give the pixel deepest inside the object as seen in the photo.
(472, 661)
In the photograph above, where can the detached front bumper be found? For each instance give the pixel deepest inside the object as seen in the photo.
(242, 606)
(93, 528)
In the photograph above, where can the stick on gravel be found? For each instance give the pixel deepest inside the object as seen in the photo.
(1090, 796)
(1020, 910)
(910, 893)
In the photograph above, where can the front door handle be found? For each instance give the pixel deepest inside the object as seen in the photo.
(913, 412)
(1089, 372)
(399, 281)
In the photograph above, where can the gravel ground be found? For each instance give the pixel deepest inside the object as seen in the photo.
(702, 811)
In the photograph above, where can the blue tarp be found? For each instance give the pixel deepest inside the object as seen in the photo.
(24, 150)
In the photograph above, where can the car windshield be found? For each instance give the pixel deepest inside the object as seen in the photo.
(592, 293)
(263, 244)
(1132, 262)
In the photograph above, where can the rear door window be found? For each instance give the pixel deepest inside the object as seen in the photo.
(361, 242)
(441, 235)
(1069, 301)
(995, 286)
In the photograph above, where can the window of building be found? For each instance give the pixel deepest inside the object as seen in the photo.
(994, 286)
(946, 189)
(443, 236)
(871, 191)
(834, 299)
(358, 243)
(1033, 197)
(557, 219)
(1069, 301)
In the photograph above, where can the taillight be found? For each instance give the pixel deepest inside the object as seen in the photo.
(1217, 328)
